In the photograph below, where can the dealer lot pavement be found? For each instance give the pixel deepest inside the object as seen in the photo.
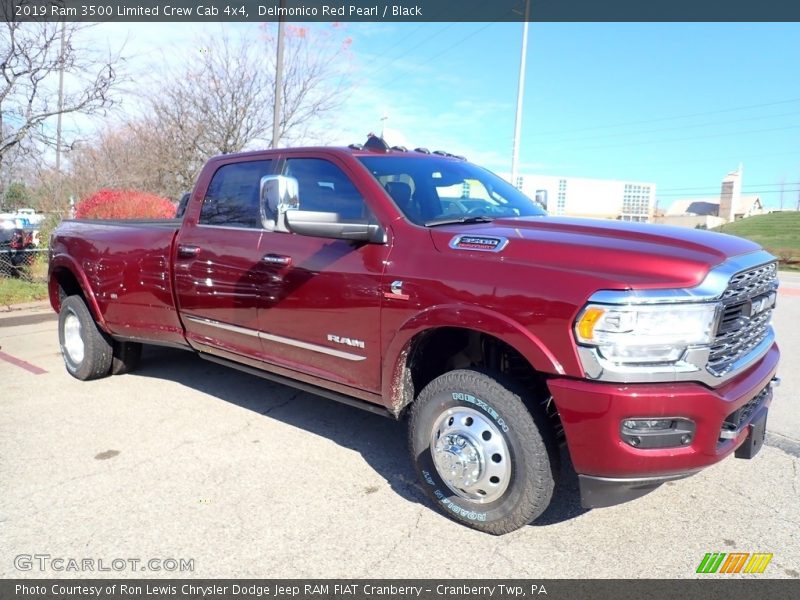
(189, 460)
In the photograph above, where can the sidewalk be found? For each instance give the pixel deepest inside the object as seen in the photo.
(37, 306)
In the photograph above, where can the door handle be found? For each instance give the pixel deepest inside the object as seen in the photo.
(278, 259)
(188, 251)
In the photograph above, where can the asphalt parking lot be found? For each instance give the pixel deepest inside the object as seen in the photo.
(189, 460)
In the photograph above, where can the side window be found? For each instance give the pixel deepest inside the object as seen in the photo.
(324, 187)
(232, 198)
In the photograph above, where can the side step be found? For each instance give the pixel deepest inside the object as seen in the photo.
(300, 385)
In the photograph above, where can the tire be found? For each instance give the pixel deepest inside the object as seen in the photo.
(499, 463)
(86, 350)
(126, 357)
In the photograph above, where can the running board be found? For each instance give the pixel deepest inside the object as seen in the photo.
(300, 385)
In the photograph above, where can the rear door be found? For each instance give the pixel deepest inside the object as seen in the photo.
(323, 316)
(220, 279)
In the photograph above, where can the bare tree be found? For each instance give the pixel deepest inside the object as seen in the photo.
(218, 99)
(31, 57)
(222, 101)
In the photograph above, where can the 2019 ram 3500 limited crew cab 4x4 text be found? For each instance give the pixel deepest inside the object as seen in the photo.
(420, 286)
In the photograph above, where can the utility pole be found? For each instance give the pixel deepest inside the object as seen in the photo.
(276, 114)
(520, 92)
(60, 110)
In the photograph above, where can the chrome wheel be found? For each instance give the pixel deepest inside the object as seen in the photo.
(73, 341)
(470, 454)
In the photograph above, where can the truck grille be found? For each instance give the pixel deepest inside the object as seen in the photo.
(745, 320)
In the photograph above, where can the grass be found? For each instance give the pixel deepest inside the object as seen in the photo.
(17, 291)
(777, 232)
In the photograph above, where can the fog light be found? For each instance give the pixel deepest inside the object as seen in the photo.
(657, 433)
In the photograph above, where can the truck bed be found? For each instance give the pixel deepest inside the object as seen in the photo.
(127, 264)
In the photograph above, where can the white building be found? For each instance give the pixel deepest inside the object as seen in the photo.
(597, 198)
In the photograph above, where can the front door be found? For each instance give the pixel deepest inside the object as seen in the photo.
(324, 315)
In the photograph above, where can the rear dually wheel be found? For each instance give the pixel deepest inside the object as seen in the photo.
(86, 350)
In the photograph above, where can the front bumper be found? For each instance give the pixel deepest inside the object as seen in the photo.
(609, 468)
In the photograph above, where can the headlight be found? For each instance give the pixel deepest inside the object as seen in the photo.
(645, 334)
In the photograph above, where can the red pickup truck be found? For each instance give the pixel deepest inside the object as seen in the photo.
(420, 286)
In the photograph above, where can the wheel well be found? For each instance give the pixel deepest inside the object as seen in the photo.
(433, 353)
(63, 283)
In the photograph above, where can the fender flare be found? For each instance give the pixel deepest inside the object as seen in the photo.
(474, 318)
(69, 264)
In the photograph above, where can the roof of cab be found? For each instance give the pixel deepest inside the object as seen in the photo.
(371, 148)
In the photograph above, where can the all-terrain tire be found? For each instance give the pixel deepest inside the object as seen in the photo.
(86, 350)
(481, 456)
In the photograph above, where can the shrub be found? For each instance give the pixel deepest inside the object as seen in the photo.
(124, 204)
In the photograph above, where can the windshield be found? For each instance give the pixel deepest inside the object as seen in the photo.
(433, 191)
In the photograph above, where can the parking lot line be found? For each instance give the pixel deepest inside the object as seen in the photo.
(22, 364)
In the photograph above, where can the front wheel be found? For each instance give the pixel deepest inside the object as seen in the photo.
(86, 350)
(480, 454)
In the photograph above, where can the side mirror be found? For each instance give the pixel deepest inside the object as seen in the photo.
(279, 195)
(331, 225)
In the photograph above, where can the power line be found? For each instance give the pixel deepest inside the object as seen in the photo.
(749, 192)
(404, 53)
(646, 131)
(683, 139)
(744, 186)
(737, 157)
(673, 117)
(450, 47)
(375, 69)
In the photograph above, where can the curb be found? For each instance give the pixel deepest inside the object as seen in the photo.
(31, 306)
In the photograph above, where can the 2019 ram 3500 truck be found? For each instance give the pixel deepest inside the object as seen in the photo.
(420, 286)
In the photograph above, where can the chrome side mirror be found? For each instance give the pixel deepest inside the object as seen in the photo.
(279, 194)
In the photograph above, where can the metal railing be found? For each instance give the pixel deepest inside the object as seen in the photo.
(29, 264)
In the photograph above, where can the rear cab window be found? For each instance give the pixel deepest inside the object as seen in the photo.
(232, 197)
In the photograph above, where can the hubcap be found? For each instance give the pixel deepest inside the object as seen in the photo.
(471, 454)
(73, 342)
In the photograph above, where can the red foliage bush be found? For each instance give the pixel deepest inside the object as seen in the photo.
(124, 204)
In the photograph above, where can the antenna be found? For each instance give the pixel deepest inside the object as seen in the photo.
(383, 125)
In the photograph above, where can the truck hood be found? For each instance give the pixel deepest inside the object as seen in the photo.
(625, 255)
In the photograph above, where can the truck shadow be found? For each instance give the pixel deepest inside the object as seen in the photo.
(379, 440)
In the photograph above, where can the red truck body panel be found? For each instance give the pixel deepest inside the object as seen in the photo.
(127, 278)
(592, 412)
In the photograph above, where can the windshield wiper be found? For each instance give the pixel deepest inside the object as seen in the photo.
(456, 220)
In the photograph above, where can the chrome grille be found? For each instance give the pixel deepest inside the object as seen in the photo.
(748, 284)
(738, 332)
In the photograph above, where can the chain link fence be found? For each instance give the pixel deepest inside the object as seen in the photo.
(29, 264)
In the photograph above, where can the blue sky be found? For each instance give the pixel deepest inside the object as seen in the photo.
(679, 105)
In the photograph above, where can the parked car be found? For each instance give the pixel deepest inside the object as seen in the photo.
(496, 331)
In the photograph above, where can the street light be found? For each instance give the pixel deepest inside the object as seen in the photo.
(520, 91)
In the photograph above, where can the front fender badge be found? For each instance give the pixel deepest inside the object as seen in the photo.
(479, 243)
